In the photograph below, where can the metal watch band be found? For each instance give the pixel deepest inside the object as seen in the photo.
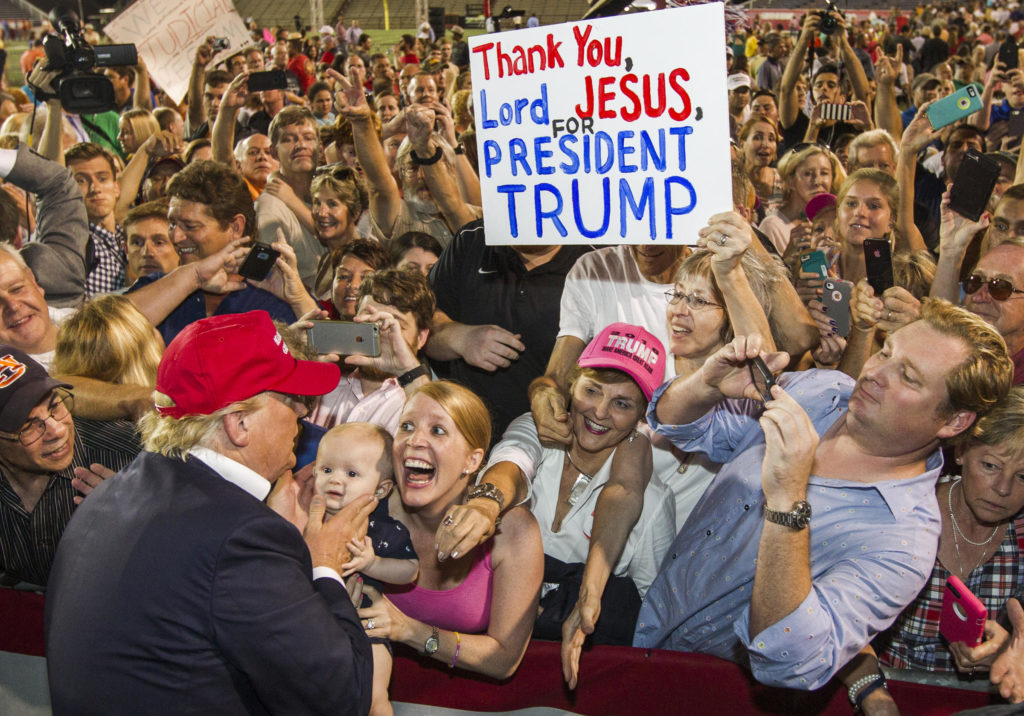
(488, 490)
(798, 518)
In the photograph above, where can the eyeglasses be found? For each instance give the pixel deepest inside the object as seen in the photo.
(339, 171)
(60, 407)
(693, 301)
(998, 288)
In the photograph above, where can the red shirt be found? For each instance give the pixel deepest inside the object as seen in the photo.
(302, 67)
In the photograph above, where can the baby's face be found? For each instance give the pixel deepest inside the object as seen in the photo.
(347, 470)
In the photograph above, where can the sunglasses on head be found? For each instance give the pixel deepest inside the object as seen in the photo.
(998, 288)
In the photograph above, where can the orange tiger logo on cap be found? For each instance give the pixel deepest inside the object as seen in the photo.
(10, 370)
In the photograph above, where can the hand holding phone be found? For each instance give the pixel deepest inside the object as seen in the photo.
(345, 338)
(963, 614)
(878, 264)
(835, 298)
(762, 378)
(973, 184)
(259, 262)
(962, 103)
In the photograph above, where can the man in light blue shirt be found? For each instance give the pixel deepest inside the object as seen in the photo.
(822, 524)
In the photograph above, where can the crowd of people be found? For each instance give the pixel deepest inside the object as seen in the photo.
(751, 446)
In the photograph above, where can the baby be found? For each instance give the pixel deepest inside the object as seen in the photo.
(353, 460)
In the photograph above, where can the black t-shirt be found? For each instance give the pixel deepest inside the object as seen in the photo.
(478, 284)
(794, 134)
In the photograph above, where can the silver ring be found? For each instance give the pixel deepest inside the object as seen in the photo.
(448, 520)
(888, 316)
(721, 241)
(369, 624)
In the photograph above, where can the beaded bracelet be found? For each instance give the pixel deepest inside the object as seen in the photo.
(458, 645)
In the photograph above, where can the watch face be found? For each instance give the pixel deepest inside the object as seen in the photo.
(432, 645)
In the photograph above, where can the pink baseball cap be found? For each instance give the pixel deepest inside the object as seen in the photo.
(818, 203)
(221, 360)
(631, 349)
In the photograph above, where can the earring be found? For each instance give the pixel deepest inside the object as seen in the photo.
(959, 461)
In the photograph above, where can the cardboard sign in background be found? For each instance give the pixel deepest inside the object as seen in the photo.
(167, 34)
(609, 131)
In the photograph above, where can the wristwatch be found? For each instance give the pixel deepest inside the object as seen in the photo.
(798, 518)
(433, 643)
(410, 375)
(488, 490)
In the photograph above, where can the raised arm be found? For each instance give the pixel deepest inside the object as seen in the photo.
(196, 80)
(851, 63)
(789, 103)
(439, 178)
(916, 137)
(143, 97)
(385, 195)
(57, 256)
(162, 144)
(887, 112)
(728, 237)
(222, 135)
(955, 234)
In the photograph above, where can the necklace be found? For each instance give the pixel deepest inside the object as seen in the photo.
(956, 529)
(580, 486)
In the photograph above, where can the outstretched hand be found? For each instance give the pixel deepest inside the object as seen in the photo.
(580, 624)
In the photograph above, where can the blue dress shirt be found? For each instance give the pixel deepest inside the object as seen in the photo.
(872, 548)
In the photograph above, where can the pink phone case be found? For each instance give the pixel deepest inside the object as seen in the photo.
(963, 614)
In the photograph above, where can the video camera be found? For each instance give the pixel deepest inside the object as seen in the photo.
(828, 24)
(80, 89)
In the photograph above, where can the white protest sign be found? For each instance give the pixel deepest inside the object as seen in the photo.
(609, 131)
(167, 34)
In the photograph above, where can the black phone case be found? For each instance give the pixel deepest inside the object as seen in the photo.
(878, 263)
(1008, 54)
(269, 80)
(258, 262)
(973, 185)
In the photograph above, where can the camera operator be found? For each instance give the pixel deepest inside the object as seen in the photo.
(826, 84)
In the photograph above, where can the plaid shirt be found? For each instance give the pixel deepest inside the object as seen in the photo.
(106, 260)
(913, 642)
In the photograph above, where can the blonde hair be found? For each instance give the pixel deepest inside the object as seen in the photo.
(914, 271)
(109, 339)
(174, 437)
(467, 411)
(985, 377)
(791, 161)
(144, 125)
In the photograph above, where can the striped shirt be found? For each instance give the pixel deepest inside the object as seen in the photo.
(28, 540)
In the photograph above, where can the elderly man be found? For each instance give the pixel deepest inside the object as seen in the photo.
(853, 463)
(177, 585)
(39, 448)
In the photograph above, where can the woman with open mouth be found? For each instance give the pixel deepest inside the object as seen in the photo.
(472, 608)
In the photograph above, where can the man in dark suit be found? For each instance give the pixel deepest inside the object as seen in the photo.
(176, 588)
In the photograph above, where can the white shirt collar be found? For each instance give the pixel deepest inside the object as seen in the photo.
(234, 472)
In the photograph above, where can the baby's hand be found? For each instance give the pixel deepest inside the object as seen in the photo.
(363, 556)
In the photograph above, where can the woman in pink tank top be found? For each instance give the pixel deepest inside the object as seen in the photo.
(473, 610)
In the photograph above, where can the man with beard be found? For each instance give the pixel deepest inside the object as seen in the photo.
(295, 142)
(402, 304)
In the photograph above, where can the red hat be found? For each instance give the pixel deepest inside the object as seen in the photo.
(223, 359)
(631, 349)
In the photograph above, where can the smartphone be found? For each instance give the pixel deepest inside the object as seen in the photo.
(962, 103)
(1015, 124)
(762, 377)
(814, 262)
(835, 296)
(841, 112)
(269, 80)
(1008, 53)
(878, 262)
(345, 338)
(258, 262)
(963, 614)
(973, 184)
